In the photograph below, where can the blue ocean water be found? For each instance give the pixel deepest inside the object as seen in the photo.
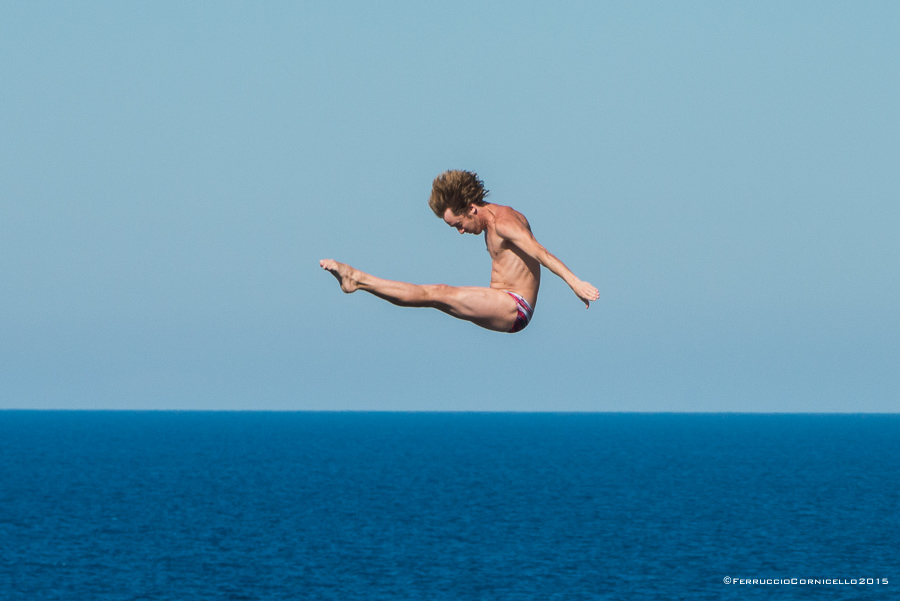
(345, 506)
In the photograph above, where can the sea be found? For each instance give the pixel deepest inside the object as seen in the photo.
(437, 506)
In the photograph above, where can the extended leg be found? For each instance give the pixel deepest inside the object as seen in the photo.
(486, 307)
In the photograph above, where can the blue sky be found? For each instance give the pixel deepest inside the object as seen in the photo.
(728, 174)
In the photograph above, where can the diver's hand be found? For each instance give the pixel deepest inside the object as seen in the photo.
(586, 292)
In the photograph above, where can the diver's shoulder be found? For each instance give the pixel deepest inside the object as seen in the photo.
(509, 217)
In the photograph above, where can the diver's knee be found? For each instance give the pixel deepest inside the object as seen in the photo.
(439, 293)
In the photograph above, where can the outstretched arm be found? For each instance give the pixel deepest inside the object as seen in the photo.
(518, 233)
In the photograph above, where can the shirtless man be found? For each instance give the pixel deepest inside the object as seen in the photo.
(457, 197)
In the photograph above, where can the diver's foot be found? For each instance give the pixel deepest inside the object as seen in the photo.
(345, 274)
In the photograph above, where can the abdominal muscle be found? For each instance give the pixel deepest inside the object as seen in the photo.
(512, 272)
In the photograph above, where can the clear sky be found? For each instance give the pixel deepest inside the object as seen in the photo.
(727, 173)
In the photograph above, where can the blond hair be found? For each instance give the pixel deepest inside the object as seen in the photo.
(456, 190)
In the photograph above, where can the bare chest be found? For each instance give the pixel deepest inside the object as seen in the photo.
(494, 245)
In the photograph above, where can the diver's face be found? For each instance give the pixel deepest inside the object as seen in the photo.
(464, 224)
